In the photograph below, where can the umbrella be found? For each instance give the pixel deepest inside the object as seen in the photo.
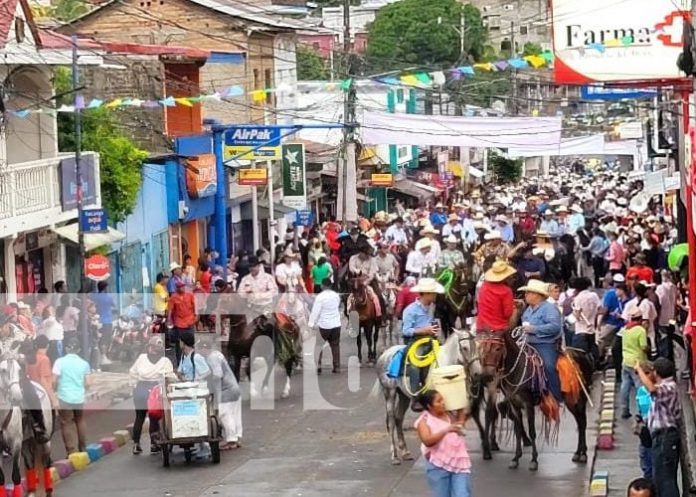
(676, 256)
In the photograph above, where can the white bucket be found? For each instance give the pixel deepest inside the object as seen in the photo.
(450, 382)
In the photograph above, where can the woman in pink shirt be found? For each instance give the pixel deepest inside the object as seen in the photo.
(442, 435)
(615, 254)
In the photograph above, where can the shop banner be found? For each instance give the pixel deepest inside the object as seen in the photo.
(253, 177)
(201, 176)
(243, 139)
(94, 221)
(68, 182)
(294, 178)
(386, 180)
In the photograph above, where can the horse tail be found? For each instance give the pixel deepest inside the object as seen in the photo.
(375, 390)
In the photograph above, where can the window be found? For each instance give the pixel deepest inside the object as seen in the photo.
(19, 29)
(316, 45)
(523, 30)
(267, 79)
(256, 79)
(492, 22)
(402, 152)
(542, 30)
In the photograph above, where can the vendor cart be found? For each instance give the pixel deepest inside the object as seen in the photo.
(189, 418)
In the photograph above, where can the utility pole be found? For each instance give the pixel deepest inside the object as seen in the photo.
(84, 333)
(347, 181)
(513, 72)
(462, 26)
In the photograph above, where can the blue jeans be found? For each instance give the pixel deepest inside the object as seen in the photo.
(646, 465)
(549, 356)
(444, 483)
(629, 378)
(665, 456)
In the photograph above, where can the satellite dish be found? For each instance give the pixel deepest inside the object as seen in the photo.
(639, 203)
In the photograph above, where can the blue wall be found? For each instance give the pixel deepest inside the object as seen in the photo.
(150, 213)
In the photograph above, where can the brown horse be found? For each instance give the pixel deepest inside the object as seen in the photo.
(361, 301)
(458, 300)
(284, 335)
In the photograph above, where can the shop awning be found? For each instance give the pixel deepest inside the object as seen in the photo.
(415, 189)
(92, 240)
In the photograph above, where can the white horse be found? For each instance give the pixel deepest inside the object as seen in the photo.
(460, 348)
(11, 434)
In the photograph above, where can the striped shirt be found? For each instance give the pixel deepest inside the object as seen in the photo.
(666, 411)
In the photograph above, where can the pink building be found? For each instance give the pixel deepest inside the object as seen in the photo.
(324, 41)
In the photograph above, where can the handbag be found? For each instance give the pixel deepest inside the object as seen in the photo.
(155, 403)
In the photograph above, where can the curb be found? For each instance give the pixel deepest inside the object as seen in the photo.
(607, 416)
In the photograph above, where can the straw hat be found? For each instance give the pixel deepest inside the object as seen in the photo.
(451, 239)
(562, 210)
(174, 266)
(478, 216)
(498, 272)
(428, 230)
(428, 285)
(536, 286)
(478, 225)
(423, 243)
(501, 218)
(576, 208)
(493, 235)
(453, 217)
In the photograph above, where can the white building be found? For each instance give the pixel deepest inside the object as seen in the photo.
(37, 184)
(360, 17)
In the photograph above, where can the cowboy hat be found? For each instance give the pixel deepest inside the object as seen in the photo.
(289, 252)
(562, 209)
(478, 225)
(428, 285)
(174, 266)
(453, 217)
(576, 208)
(439, 205)
(536, 286)
(428, 230)
(498, 272)
(501, 218)
(651, 219)
(477, 215)
(548, 212)
(451, 239)
(423, 243)
(493, 235)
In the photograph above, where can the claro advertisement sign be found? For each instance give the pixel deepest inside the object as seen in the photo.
(617, 40)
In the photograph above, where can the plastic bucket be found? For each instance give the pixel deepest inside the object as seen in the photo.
(450, 382)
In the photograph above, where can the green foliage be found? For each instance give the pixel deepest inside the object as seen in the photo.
(505, 170)
(482, 89)
(532, 49)
(310, 65)
(423, 33)
(120, 161)
(67, 10)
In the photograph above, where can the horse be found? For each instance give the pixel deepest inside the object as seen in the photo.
(519, 366)
(360, 301)
(388, 291)
(11, 426)
(458, 299)
(283, 333)
(459, 348)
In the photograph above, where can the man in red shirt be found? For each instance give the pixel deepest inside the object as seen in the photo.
(181, 314)
(640, 270)
(405, 296)
(496, 303)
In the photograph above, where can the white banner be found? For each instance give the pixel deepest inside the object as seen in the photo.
(381, 128)
(576, 145)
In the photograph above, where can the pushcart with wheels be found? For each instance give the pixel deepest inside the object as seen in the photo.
(189, 419)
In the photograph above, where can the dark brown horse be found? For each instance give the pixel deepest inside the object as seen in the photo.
(361, 301)
(458, 300)
(283, 334)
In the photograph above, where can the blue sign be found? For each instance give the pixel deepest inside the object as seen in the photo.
(595, 92)
(253, 136)
(94, 221)
(304, 217)
(189, 407)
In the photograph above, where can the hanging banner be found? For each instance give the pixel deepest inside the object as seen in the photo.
(294, 178)
(68, 182)
(252, 177)
(598, 92)
(94, 221)
(244, 139)
(201, 176)
(597, 40)
(386, 180)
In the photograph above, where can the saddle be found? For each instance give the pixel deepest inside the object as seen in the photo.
(399, 366)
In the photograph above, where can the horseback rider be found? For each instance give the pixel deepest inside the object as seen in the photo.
(495, 303)
(289, 272)
(258, 288)
(451, 257)
(493, 246)
(350, 245)
(453, 226)
(387, 265)
(421, 259)
(418, 322)
(396, 232)
(429, 233)
(542, 323)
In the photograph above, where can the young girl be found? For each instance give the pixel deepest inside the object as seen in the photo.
(449, 466)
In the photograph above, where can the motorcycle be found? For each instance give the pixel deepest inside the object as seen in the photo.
(130, 338)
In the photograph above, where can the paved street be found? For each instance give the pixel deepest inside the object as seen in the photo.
(294, 452)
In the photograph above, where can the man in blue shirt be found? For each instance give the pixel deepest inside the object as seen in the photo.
(549, 224)
(193, 367)
(418, 323)
(544, 326)
(438, 218)
(611, 322)
(105, 309)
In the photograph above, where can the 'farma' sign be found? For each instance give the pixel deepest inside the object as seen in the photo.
(621, 40)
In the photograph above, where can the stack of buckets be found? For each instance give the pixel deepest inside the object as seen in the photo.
(450, 382)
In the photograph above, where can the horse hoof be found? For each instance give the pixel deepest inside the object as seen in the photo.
(487, 456)
(396, 461)
(576, 458)
(533, 466)
(514, 465)
(495, 447)
(407, 456)
(582, 459)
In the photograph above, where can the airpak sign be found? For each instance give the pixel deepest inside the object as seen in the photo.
(241, 141)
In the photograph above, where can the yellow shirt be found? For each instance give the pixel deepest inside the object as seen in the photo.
(161, 295)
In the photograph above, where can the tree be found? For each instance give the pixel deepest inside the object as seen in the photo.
(310, 65)
(423, 33)
(120, 161)
(532, 49)
(505, 170)
(67, 10)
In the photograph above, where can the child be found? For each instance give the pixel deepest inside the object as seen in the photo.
(643, 402)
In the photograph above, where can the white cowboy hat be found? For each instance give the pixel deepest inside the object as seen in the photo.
(453, 217)
(622, 201)
(439, 205)
(21, 305)
(576, 208)
(548, 212)
(174, 266)
(562, 209)
(428, 230)
(478, 215)
(493, 235)
(478, 225)
(651, 219)
(451, 239)
(502, 219)
(618, 278)
(428, 285)
(423, 243)
(536, 286)
(499, 271)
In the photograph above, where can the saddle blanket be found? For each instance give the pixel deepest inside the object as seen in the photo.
(395, 366)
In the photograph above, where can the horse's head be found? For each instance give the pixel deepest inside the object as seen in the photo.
(492, 350)
(9, 378)
(467, 353)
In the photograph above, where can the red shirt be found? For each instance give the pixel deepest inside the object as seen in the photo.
(206, 278)
(495, 307)
(40, 371)
(183, 310)
(644, 273)
(404, 298)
